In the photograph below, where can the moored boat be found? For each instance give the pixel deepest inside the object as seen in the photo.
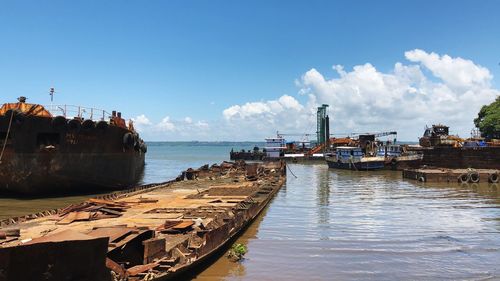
(398, 157)
(353, 158)
(65, 149)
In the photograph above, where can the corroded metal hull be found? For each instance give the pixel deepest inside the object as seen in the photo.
(462, 157)
(45, 156)
(165, 231)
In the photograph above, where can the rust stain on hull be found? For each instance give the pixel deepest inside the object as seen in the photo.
(156, 233)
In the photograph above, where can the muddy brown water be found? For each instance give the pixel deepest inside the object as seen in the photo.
(342, 225)
(346, 225)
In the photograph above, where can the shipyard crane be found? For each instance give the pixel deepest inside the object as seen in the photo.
(384, 134)
(304, 136)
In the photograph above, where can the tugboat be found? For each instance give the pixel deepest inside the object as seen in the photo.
(66, 149)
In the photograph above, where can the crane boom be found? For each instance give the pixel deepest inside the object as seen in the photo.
(384, 134)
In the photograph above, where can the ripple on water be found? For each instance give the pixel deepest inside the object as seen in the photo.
(343, 225)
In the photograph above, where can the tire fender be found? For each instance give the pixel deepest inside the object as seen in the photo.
(493, 178)
(463, 178)
(128, 140)
(58, 122)
(74, 124)
(88, 124)
(474, 177)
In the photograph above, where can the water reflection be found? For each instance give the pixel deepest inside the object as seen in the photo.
(343, 225)
(223, 268)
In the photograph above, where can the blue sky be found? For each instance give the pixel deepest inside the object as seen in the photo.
(196, 59)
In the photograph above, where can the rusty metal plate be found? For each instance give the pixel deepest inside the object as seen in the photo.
(141, 268)
(75, 216)
(65, 235)
(183, 225)
(114, 233)
(65, 260)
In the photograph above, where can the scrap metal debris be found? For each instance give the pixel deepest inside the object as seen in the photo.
(159, 232)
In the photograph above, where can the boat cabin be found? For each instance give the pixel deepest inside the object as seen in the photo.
(348, 152)
(390, 150)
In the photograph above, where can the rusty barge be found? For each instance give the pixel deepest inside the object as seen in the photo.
(66, 149)
(155, 232)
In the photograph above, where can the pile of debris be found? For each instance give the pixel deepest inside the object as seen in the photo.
(180, 229)
(206, 171)
(95, 209)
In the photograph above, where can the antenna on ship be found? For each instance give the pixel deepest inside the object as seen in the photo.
(51, 92)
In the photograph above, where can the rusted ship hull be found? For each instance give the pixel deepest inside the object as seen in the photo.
(42, 156)
(243, 155)
(63, 173)
(158, 233)
(462, 157)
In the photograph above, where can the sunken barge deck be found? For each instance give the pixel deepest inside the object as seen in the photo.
(155, 232)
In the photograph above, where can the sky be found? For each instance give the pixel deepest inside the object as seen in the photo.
(243, 70)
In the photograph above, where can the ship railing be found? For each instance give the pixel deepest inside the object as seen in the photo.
(72, 111)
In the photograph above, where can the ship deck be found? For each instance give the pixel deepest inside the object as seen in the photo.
(157, 232)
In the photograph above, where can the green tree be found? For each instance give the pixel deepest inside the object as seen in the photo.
(488, 120)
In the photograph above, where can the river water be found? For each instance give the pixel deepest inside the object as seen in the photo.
(329, 224)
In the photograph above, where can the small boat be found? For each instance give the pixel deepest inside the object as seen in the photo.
(353, 158)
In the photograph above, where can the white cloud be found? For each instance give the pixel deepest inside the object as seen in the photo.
(256, 109)
(429, 88)
(256, 120)
(141, 120)
(366, 99)
(455, 72)
(169, 129)
(202, 125)
(165, 125)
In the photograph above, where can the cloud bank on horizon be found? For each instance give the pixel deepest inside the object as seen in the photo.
(430, 89)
